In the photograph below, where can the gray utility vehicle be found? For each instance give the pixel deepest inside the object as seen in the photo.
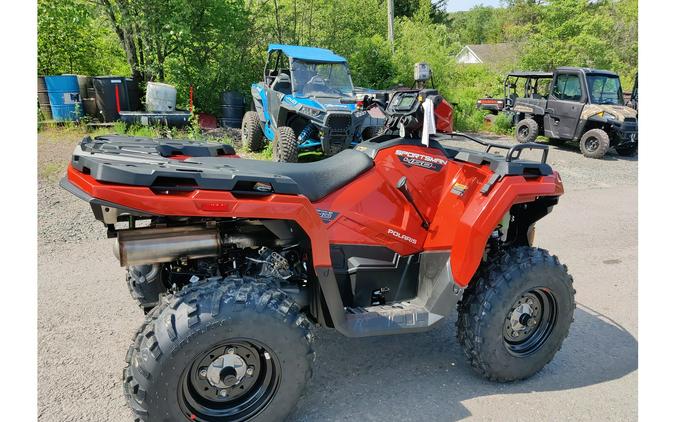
(572, 104)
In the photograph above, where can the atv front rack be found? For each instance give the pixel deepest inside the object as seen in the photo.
(513, 152)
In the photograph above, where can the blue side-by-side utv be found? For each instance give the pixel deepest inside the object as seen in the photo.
(305, 102)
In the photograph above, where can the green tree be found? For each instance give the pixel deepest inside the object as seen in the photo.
(581, 33)
(479, 25)
(71, 40)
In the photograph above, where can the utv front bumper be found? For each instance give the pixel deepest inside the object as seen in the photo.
(625, 133)
(336, 133)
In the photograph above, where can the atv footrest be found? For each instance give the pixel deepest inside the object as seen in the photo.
(389, 319)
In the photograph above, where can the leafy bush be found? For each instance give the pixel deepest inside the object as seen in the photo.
(503, 124)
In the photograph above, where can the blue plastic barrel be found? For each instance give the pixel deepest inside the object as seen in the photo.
(64, 97)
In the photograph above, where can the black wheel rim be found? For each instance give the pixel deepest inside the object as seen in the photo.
(529, 322)
(232, 381)
(524, 131)
(591, 144)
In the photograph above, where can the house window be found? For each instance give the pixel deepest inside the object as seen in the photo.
(568, 87)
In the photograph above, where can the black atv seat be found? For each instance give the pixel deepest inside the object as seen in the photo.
(139, 162)
(314, 180)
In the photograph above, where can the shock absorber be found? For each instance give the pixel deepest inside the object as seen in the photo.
(306, 133)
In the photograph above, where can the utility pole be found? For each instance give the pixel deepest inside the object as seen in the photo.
(390, 20)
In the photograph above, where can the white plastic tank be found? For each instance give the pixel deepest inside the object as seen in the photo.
(160, 97)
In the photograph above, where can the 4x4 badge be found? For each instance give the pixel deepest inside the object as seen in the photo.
(458, 189)
(327, 216)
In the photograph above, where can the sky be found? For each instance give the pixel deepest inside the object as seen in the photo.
(457, 5)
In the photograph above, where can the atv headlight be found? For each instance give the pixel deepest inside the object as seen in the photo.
(607, 115)
(310, 111)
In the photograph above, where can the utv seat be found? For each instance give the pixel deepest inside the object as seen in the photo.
(282, 83)
(314, 180)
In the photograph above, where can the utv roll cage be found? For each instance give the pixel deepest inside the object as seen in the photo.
(277, 52)
(532, 86)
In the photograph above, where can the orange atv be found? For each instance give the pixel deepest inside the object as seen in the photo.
(236, 260)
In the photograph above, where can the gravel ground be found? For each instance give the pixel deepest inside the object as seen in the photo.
(86, 319)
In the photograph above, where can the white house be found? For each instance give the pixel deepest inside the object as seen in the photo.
(490, 54)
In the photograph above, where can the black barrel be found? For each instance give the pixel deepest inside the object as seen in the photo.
(87, 95)
(43, 99)
(84, 82)
(89, 102)
(231, 109)
(109, 89)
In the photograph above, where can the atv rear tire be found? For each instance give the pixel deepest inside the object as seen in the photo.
(594, 143)
(285, 145)
(145, 285)
(223, 349)
(252, 137)
(527, 130)
(515, 314)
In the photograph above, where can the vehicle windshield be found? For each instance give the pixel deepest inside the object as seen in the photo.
(605, 89)
(321, 79)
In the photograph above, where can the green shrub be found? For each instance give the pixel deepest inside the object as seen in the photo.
(503, 124)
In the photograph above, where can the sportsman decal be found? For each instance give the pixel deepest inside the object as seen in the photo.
(420, 160)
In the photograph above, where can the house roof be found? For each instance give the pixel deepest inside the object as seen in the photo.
(494, 53)
(307, 53)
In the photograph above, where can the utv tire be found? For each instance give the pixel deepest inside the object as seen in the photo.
(527, 130)
(627, 151)
(594, 143)
(145, 285)
(252, 138)
(285, 145)
(516, 313)
(222, 349)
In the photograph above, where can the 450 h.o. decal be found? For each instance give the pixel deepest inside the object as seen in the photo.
(420, 160)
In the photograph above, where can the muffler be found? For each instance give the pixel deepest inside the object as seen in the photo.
(154, 245)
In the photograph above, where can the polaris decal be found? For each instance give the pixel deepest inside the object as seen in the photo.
(402, 236)
(327, 216)
(420, 160)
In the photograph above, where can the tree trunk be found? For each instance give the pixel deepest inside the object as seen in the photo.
(125, 39)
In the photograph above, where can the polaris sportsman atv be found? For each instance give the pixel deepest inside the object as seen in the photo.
(236, 260)
(306, 102)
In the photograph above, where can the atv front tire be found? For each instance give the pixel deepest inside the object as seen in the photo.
(594, 143)
(145, 285)
(515, 314)
(252, 137)
(223, 349)
(285, 145)
(527, 130)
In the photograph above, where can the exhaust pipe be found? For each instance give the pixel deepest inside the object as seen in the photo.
(155, 245)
